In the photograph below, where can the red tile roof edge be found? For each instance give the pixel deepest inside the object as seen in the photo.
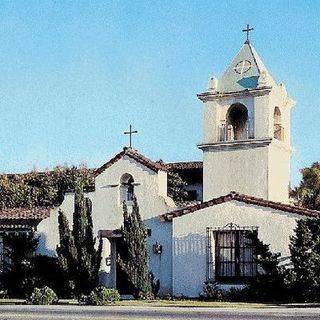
(37, 213)
(242, 198)
(155, 166)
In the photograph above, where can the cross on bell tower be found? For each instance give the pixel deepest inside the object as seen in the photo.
(130, 133)
(247, 30)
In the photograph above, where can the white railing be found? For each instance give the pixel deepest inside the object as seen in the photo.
(226, 133)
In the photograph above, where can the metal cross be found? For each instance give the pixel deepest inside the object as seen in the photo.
(247, 31)
(130, 133)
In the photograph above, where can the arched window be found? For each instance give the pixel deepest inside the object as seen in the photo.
(237, 122)
(126, 188)
(278, 132)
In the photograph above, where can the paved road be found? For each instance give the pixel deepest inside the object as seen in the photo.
(122, 313)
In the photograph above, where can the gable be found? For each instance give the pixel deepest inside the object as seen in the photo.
(135, 155)
(126, 165)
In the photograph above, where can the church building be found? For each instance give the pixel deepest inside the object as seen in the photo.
(241, 185)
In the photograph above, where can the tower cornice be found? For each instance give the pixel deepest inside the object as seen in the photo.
(235, 144)
(211, 96)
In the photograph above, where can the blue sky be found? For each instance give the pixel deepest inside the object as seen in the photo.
(75, 74)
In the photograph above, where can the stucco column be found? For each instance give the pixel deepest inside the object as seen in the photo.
(104, 271)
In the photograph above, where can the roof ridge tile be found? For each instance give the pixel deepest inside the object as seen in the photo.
(242, 198)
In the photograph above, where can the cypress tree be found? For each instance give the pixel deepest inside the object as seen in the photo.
(77, 253)
(133, 260)
(67, 254)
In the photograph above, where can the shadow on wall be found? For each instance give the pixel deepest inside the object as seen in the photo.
(42, 246)
(105, 279)
(189, 256)
(160, 263)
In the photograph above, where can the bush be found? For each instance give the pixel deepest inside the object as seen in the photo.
(211, 291)
(43, 296)
(17, 277)
(47, 272)
(100, 296)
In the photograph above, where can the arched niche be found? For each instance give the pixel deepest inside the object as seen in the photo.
(126, 188)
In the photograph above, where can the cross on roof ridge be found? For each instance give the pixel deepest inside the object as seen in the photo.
(130, 133)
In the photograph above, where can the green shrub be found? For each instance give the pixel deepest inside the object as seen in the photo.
(17, 276)
(211, 291)
(100, 296)
(43, 296)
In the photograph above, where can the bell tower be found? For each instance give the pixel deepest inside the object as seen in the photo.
(246, 133)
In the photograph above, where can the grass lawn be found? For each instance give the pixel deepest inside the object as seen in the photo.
(157, 303)
(189, 303)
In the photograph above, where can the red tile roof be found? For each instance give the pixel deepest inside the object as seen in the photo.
(155, 166)
(184, 165)
(38, 213)
(242, 198)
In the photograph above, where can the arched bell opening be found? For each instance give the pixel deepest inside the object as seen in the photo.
(237, 122)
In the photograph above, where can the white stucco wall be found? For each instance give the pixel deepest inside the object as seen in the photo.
(243, 170)
(189, 238)
(279, 172)
(48, 229)
(150, 190)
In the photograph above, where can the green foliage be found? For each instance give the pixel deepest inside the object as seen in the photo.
(133, 258)
(307, 194)
(268, 285)
(47, 272)
(41, 188)
(155, 284)
(43, 296)
(212, 292)
(176, 187)
(304, 278)
(77, 254)
(100, 296)
(18, 266)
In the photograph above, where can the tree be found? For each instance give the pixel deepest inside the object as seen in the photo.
(307, 194)
(18, 277)
(268, 285)
(176, 187)
(133, 258)
(305, 257)
(77, 253)
(67, 254)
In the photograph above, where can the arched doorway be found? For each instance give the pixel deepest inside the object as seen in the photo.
(237, 122)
